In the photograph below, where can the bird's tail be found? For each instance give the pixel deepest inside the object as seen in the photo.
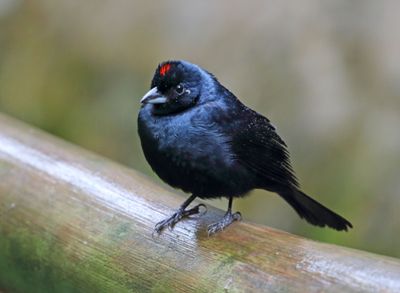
(314, 212)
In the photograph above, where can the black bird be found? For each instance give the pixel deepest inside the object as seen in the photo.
(197, 136)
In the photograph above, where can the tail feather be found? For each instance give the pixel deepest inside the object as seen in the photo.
(314, 212)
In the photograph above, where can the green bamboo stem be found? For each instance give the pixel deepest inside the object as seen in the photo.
(74, 221)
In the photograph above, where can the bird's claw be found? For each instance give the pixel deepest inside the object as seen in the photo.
(228, 219)
(177, 216)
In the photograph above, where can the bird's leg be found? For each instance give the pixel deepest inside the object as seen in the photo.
(228, 219)
(179, 214)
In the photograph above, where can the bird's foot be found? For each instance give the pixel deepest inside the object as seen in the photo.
(177, 216)
(228, 219)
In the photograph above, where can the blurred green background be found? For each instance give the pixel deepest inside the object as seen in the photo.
(327, 73)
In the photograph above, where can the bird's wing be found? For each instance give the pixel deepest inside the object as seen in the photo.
(259, 148)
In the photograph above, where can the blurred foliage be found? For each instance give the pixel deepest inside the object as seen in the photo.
(326, 73)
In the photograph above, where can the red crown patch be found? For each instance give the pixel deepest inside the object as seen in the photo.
(164, 69)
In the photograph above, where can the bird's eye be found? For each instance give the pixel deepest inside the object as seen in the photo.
(179, 89)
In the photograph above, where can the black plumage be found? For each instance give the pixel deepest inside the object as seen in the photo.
(197, 136)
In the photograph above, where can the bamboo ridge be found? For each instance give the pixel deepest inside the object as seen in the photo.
(73, 221)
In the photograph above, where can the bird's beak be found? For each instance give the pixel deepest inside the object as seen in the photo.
(153, 96)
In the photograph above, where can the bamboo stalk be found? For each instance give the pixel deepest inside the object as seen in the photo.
(74, 221)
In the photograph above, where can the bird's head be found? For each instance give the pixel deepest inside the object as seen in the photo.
(177, 86)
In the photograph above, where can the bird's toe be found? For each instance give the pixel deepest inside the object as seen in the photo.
(179, 215)
(228, 219)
